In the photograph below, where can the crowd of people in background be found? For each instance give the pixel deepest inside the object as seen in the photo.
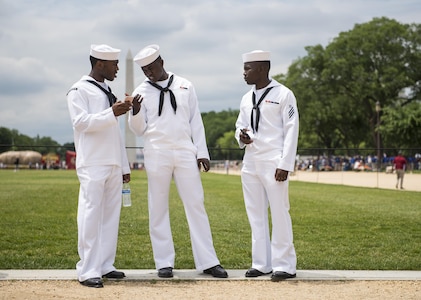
(354, 163)
(303, 163)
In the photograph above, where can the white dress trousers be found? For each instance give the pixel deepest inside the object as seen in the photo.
(161, 166)
(99, 203)
(262, 191)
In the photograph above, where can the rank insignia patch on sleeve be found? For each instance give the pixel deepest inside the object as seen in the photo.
(291, 111)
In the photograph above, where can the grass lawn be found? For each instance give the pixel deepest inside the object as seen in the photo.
(335, 227)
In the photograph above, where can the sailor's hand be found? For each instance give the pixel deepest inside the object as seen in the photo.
(281, 175)
(203, 162)
(120, 107)
(136, 103)
(245, 137)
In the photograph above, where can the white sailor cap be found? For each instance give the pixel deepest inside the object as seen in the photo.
(256, 55)
(104, 52)
(147, 55)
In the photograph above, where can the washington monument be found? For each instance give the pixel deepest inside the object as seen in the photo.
(130, 137)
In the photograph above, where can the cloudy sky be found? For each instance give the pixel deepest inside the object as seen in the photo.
(45, 46)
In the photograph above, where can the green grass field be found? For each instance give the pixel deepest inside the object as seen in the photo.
(335, 227)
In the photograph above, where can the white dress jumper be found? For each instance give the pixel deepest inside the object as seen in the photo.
(274, 146)
(173, 143)
(101, 161)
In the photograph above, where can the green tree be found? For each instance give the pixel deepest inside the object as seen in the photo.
(337, 87)
(12, 139)
(21, 141)
(216, 124)
(6, 139)
(46, 145)
(400, 126)
(229, 146)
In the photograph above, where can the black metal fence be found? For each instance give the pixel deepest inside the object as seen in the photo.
(314, 159)
(338, 159)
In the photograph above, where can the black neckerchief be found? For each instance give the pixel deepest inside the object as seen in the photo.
(111, 98)
(256, 107)
(161, 95)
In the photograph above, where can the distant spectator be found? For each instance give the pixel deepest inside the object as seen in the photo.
(399, 164)
(17, 164)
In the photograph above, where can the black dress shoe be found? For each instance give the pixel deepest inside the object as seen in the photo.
(255, 273)
(114, 274)
(95, 282)
(279, 275)
(217, 271)
(165, 272)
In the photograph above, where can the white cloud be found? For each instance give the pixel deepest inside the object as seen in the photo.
(45, 45)
(26, 76)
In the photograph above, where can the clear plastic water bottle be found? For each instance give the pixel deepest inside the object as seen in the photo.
(127, 200)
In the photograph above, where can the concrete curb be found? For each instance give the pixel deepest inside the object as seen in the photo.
(193, 275)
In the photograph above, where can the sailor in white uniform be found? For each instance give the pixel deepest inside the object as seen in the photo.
(101, 166)
(267, 126)
(168, 118)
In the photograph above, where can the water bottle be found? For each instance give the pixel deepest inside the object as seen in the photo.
(127, 201)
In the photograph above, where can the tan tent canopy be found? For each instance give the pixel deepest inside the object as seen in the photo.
(25, 157)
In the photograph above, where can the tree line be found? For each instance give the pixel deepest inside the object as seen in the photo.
(360, 91)
(13, 140)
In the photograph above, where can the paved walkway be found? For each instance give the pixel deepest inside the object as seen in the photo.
(412, 182)
(146, 275)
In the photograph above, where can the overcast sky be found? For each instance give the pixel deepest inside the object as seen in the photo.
(45, 46)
